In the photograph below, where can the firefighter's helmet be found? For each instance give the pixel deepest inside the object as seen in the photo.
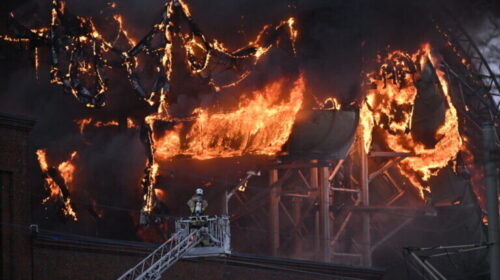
(199, 191)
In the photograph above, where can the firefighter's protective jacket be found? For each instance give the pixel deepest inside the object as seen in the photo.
(197, 204)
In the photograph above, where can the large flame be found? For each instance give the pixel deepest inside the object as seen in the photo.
(389, 106)
(260, 125)
(66, 169)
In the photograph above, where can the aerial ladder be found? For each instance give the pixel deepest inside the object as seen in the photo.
(195, 236)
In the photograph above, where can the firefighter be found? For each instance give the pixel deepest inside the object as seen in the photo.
(197, 204)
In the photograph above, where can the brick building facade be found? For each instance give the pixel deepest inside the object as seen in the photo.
(15, 198)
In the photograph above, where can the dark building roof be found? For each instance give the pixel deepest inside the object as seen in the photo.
(72, 244)
(16, 121)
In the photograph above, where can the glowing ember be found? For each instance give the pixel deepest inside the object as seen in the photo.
(260, 125)
(150, 195)
(37, 63)
(389, 106)
(66, 170)
(102, 124)
(83, 123)
(14, 40)
(131, 123)
(122, 31)
(331, 103)
(161, 195)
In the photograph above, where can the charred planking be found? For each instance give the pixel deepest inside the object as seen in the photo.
(322, 134)
(429, 107)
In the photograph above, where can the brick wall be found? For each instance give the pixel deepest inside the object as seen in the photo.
(15, 198)
(57, 257)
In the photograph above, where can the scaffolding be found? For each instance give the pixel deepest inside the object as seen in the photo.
(476, 94)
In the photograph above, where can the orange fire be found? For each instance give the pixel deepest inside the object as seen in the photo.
(161, 195)
(149, 195)
(83, 123)
(131, 123)
(122, 30)
(331, 103)
(102, 124)
(66, 170)
(260, 125)
(42, 161)
(394, 102)
(13, 40)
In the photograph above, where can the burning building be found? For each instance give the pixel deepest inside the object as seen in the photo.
(366, 137)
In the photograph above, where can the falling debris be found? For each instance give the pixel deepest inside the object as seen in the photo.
(58, 181)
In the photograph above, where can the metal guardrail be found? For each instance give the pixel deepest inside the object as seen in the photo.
(217, 235)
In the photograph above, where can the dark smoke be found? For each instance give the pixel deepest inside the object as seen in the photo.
(338, 42)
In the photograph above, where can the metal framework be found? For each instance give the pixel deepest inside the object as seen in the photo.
(476, 82)
(301, 204)
(476, 89)
(422, 256)
(293, 207)
(367, 243)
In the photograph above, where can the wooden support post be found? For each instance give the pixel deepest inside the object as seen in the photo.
(313, 182)
(365, 201)
(274, 220)
(297, 218)
(324, 213)
(316, 235)
(225, 204)
(313, 178)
